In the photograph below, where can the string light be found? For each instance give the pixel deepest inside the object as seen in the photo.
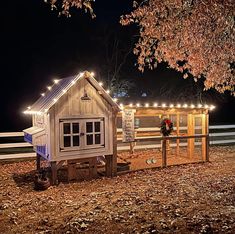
(212, 107)
(199, 105)
(56, 81)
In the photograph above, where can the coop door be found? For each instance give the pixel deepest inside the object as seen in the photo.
(81, 134)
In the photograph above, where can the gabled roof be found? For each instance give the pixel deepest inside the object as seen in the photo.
(48, 99)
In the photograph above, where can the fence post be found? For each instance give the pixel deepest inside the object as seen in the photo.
(207, 148)
(164, 164)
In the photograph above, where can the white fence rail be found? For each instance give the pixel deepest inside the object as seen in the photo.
(226, 136)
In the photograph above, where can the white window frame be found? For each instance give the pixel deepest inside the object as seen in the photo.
(82, 130)
(101, 132)
(71, 134)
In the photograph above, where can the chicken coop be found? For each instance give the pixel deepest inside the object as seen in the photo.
(139, 133)
(74, 122)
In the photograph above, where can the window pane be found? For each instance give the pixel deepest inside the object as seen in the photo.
(89, 139)
(75, 127)
(97, 126)
(66, 128)
(89, 126)
(67, 141)
(76, 141)
(97, 139)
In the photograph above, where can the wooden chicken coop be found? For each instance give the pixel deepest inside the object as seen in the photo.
(74, 121)
(139, 130)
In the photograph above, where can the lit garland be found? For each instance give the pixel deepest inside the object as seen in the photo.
(138, 105)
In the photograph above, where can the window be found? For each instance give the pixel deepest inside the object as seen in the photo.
(70, 134)
(93, 133)
(81, 134)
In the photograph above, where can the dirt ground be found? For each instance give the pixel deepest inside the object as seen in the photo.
(193, 198)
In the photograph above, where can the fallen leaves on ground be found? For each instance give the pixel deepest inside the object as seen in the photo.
(193, 198)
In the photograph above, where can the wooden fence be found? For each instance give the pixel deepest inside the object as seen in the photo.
(219, 135)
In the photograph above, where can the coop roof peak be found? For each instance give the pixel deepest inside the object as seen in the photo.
(60, 87)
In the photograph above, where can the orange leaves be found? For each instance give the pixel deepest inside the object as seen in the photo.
(201, 33)
(65, 6)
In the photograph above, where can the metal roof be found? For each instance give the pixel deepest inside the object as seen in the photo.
(49, 98)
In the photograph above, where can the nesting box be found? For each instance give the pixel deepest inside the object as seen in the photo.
(74, 119)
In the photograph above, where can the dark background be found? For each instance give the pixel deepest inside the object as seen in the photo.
(37, 46)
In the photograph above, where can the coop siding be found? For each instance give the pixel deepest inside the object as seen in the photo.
(71, 106)
(52, 134)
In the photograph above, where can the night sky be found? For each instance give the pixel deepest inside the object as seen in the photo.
(37, 46)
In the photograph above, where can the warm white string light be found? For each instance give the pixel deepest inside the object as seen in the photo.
(56, 81)
(199, 105)
(212, 107)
